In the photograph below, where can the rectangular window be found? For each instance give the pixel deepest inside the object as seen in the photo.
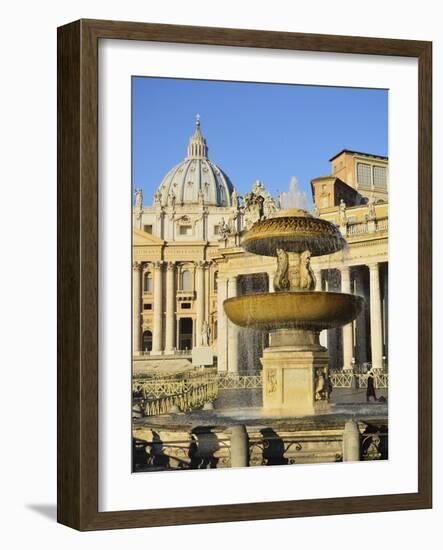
(147, 306)
(185, 230)
(216, 229)
(364, 174)
(186, 305)
(147, 229)
(379, 174)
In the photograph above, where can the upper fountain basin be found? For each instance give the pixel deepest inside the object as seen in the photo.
(293, 230)
(297, 310)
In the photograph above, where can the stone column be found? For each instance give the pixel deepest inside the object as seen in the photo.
(239, 446)
(136, 307)
(347, 329)
(376, 323)
(200, 284)
(351, 442)
(170, 308)
(232, 331)
(319, 288)
(222, 326)
(360, 322)
(158, 309)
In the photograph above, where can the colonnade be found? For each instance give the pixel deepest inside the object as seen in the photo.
(164, 333)
(164, 320)
(357, 329)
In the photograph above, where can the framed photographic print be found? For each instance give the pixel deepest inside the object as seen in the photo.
(244, 276)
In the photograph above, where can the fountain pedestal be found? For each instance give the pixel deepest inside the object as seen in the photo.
(295, 374)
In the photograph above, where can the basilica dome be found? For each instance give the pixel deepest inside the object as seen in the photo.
(196, 179)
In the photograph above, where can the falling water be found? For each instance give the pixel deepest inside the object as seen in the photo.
(294, 198)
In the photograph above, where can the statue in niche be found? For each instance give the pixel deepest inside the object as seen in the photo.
(307, 277)
(342, 213)
(206, 333)
(281, 280)
(225, 230)
(371, 210)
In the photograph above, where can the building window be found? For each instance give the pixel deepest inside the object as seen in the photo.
(185, 281)
(364, 174)
(216, 229)
(147, 229)
(185, 230)
(147, 282)
(147, 340)
(215, 280)
(379, 174)
(186, 305)
(147, 306)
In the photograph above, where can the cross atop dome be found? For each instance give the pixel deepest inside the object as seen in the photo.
(197, 148)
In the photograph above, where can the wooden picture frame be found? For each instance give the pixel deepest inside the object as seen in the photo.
(78, 273)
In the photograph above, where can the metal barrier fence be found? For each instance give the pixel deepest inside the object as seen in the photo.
(360, 380)
(233, 381)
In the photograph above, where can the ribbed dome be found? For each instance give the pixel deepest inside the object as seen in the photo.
(197, 174)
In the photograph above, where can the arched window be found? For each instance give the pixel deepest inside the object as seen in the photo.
(147, 282)
(185, 282)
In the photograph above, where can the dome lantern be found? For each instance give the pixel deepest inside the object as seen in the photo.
(197, 148)
(196, 178)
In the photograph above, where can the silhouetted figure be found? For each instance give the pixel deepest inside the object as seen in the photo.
(273, 448)
(370, 390)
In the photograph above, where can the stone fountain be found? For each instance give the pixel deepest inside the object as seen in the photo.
(295, 365)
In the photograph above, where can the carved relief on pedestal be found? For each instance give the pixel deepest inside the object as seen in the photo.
(271, 381)
(321, 384)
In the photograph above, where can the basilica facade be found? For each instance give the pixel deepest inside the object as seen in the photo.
(187, 260)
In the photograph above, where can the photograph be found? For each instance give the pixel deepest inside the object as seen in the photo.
(260, 285)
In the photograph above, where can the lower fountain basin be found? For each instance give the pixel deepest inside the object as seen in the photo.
(297, 310)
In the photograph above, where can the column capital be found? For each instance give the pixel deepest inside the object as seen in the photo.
(158, 264)
(170, 266)
(373, 266)
(137, 266)
(201, 264)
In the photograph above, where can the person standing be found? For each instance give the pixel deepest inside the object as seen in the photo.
(370, 390)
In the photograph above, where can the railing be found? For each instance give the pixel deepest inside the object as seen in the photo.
(362, 228)
(180, 352)
(345, 380)
(191, 391)
(357, 228)
(233, 381)
(159, 396)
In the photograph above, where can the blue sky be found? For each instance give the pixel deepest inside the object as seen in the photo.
(254, 131)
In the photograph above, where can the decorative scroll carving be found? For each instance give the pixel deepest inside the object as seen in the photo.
(307, 277)
(281, 281)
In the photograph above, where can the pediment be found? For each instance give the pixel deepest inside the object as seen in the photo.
(141, 238)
